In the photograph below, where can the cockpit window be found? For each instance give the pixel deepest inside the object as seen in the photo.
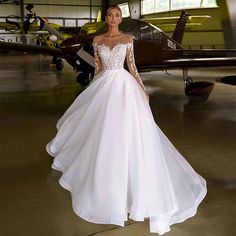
(157, 36)
(127, 26)
(130, 26)
(102, 29)
(146, 32)
(139, 30)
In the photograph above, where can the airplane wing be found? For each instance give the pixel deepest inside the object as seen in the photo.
(189, 63)
(13, 27)
(169, 23)
(174, 19)
(9, 27)
(160, 65)
(193, 53)
(32, 48)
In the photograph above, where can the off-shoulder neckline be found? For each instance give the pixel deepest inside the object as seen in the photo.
(104, 45)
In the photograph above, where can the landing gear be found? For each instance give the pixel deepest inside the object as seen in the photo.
(58, 62)
(54, 60)
(84, 78)
(199, 90)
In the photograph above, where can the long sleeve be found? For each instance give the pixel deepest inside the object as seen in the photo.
(97, 59)
(131, 64)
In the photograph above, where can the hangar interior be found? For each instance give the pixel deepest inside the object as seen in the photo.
(34, 95)
(75, 13)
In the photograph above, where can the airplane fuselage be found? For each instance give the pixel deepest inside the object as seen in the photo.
(150, 43)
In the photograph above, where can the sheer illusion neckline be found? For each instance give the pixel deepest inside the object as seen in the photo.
(111, 48)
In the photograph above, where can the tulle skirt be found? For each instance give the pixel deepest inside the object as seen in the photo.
(117, 163)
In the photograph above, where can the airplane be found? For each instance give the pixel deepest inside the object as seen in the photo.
(47, 34)
(33, 23)
(154, 50)
(167, 24)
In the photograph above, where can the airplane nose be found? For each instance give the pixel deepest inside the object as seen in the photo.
(53, 38)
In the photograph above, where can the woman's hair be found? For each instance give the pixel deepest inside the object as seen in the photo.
(114, 7)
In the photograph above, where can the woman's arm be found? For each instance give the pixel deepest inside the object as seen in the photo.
(131, 64)
(97, 59)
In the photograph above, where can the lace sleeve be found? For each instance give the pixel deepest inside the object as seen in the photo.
(97, 60)
(131, 63)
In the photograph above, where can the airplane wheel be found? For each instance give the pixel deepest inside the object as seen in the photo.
(199, 90)
(59, 64)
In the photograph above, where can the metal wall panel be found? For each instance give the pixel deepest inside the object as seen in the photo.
(6, 10)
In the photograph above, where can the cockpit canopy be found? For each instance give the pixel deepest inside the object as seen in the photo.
(139, 29)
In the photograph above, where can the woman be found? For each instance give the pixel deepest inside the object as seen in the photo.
(114, 158)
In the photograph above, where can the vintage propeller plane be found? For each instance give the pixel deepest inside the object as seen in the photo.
(154, 50)
(48, 34)
(167, 24)
(33, 23)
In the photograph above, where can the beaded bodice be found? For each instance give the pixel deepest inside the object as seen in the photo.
(112, 58)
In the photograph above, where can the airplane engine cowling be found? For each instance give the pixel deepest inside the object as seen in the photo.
(71, 45)
(74, 44)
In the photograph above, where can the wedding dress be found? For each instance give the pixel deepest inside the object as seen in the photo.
(114, 158)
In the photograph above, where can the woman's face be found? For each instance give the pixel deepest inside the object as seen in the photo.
(113, 17)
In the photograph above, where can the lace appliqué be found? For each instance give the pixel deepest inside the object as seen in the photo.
(131, 64)
(97, 60)
(107, 58)
(112, 58)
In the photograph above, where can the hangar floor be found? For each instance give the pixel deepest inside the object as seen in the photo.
(33, 97)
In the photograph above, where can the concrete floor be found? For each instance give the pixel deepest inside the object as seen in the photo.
(33, 96)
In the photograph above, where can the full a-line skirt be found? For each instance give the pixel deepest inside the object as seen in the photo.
(115, 160)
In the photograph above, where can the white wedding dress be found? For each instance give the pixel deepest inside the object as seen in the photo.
(114, 158)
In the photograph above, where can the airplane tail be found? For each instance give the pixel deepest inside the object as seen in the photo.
(180, 27)
(99, 16)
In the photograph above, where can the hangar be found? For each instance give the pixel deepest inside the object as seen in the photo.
(192, 99)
